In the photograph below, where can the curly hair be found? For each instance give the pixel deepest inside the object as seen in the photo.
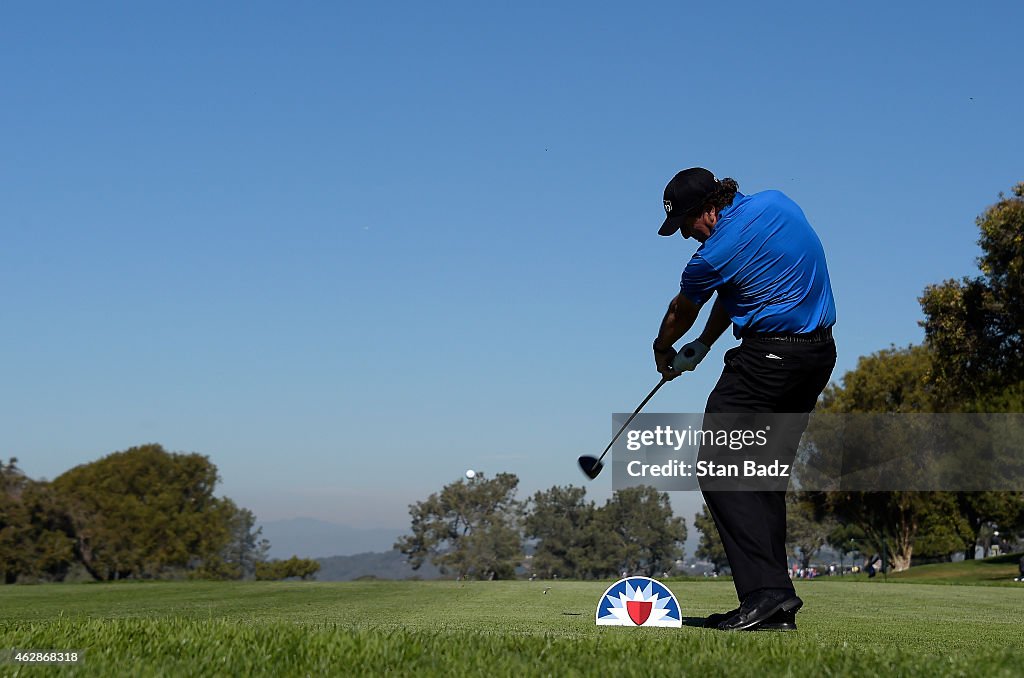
(722, 196)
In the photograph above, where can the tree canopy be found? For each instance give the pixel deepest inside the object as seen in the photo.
(477, 529)
(470, 528)
(975, 326)
(972, 360)
(145, 511)
(140, 513)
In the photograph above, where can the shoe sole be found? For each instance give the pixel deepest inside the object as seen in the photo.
(791, 605)
(776, 628)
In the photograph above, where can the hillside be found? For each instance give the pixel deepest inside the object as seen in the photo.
(990, 571)
(385, 565)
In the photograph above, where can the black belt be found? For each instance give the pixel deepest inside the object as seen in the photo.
(815, 337)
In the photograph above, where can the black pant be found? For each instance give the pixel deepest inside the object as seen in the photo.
(764, 377)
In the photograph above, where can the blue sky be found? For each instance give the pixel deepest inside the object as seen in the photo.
(350, 250)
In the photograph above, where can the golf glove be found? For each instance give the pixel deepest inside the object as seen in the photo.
(689, 356)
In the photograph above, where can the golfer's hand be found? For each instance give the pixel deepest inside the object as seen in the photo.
(689, 357)
(663, 362)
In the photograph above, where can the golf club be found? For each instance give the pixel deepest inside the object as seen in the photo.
(591, 466)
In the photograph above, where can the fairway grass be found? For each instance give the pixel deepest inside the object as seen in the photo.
(501, 629)
(998, 571)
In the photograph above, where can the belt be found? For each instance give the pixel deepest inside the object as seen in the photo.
(817, 336)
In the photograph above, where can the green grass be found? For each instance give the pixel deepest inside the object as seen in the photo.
(998, 571)
(501, 629)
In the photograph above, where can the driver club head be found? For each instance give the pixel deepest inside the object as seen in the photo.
(591, 466)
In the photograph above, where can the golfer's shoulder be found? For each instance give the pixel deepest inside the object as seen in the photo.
(767, 206)
(769, 199)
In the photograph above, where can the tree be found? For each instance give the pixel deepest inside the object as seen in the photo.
(35, 532)
(892, 380)
(806, 532)
(603, 548)
(649, 537)
(710, 547)
(975, 326)
(971, 361)
(889, 381)
(634, 531)
(847, 539)
(471, 528)
(975, 330)
(303, 568)
(943, 530)
(561, 519)
(147, 513)
(889, 520)
(246, 548)
(981, 510)
(984, 511)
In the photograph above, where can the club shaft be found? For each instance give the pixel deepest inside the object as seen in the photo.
(633, 416)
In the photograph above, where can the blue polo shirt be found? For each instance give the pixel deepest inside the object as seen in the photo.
(767, 265)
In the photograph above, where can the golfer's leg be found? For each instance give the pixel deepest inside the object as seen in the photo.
(787, 430)
(817, 362)
(776, 576)
(747, 532)
(739, 516)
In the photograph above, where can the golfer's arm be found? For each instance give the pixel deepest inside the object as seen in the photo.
(679, 318)
(718, 322)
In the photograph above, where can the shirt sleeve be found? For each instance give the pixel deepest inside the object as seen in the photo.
(700, 280)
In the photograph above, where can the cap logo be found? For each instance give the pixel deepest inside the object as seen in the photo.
(668, 207)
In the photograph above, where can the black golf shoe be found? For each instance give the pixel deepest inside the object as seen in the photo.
(760, 607)
(713, 620)
(780, 621)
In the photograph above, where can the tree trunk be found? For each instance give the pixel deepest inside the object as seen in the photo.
(971, 549)
(900, 561)
(901, 546)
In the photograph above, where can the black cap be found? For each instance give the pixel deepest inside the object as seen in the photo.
(684, 194)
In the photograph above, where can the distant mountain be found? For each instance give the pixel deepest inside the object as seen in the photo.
(388, 565)
(312, 538)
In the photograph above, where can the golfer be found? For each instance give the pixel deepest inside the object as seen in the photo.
(765, 266)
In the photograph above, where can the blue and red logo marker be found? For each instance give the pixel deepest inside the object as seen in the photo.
(638, 601)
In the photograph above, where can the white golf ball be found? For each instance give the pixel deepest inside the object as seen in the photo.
(471, 474)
